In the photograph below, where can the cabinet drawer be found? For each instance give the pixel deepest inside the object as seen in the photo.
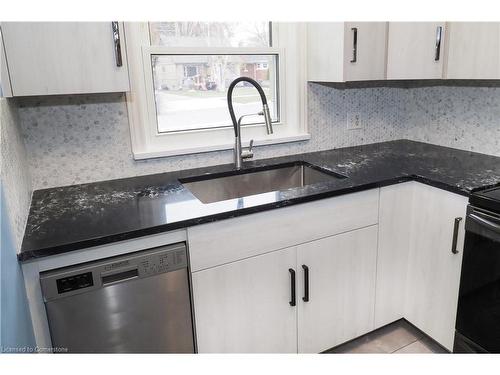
(233, 239)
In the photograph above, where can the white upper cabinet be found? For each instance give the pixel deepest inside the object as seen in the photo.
(53, 58)
(5, 90)
(363, 51)
(346, 51)
(473, 50)
(415, 50)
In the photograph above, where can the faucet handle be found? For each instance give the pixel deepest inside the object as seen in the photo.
(248, 154)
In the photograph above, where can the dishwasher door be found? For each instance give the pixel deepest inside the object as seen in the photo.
(131, 304)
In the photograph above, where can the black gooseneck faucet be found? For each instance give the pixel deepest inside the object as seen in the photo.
(239, 155)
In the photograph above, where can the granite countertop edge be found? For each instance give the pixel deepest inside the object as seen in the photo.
(359, 184)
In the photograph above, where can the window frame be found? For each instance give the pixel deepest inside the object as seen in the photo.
(147, 142)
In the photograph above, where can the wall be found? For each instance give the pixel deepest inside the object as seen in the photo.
(16, 328)
(14, 169)
(467, 118)
(15, 197)
(78, 139)
(66, 136)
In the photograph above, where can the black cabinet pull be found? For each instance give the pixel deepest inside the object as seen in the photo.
(455, 235)
(293, 301)
(306, 283)
(354, 44)
(439, 33)
(117, 43)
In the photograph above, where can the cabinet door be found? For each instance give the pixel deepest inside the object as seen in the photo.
(415, 50)
(473, 50)
(365, 50)
(244, 307)
(433, 270)
(394, 228)
(325, 41)
(350, 51)
(341, 289)
(5, 90)
(49, 58)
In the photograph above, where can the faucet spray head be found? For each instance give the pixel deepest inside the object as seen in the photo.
(267, 119)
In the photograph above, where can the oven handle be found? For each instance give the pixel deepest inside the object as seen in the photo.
(484, 222)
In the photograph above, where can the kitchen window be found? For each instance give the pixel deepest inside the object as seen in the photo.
(180, 72)
(190, 90)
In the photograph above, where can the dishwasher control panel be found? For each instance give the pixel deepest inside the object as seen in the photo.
(163, 262)
(106, 272)
(75, 282)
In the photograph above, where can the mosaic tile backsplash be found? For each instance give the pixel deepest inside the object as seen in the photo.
(467, 118)
(14, 167)
(78, 139)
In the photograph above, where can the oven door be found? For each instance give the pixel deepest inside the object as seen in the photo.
(478, 316)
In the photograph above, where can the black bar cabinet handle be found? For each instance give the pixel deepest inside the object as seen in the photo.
(293, 300)
(455, 235)
(354, 44)
(117, 43)
(306, 283)
(439, 35)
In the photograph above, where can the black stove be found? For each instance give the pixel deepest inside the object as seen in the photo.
(487, 199)
(478, 315)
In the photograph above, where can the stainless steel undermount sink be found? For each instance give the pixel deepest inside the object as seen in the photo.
(257, 181)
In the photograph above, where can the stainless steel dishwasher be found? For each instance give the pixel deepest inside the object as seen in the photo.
(136, 303)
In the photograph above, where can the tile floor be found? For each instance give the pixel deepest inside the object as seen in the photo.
(399, 337)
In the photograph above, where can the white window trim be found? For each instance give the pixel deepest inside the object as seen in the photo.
(148, 143)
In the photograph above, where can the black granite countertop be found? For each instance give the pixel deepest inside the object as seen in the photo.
(80, 216)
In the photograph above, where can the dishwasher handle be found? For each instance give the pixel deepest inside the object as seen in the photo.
(120, 276)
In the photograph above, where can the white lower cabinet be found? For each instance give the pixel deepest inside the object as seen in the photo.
(433, 269)
(248, 306)
(418, 275)
(243, 307)
(342, 272)
(366, 273)
(395, 216)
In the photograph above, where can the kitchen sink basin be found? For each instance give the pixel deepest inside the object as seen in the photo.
(257, 181)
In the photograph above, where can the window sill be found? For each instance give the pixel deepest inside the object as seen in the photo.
(197, 150)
